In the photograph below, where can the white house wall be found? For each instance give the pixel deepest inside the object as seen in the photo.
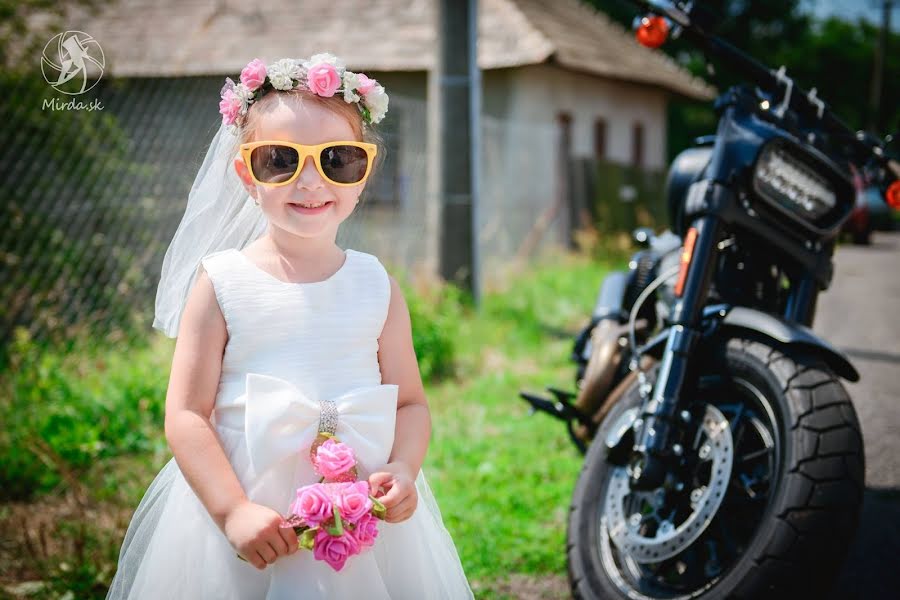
(543, 91)
(519, 142)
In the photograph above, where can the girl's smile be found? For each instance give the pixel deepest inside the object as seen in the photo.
(310, 208)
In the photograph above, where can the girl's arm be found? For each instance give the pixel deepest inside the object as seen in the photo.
(399, 366)
(252, 529)
(193, 383)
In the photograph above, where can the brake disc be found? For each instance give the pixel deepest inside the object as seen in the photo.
(641, 524)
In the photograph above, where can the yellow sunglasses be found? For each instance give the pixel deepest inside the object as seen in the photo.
(277, 163)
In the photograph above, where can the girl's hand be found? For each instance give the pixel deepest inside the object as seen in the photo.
(400, 497)
(252, 529)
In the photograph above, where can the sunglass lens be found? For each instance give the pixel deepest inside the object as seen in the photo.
(344, 164)
(274, 164)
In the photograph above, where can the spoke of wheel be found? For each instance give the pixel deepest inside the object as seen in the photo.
(756, 454)
(738, 435)
(737, 417)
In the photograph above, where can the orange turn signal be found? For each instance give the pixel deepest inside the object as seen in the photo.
(652, 32)
(687, 252)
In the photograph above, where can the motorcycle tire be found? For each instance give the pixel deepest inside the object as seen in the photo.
(811, 514)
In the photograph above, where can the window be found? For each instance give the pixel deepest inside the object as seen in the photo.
(600, 139)
(637, 145)
(564, 121)
(564, 150)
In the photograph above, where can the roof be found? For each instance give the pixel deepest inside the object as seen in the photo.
(168, 38)
(588, 40)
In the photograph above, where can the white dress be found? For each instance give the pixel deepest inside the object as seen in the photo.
(290, 347)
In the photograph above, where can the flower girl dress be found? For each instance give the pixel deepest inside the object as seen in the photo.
(292, 349)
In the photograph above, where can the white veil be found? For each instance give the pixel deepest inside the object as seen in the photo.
(220, 214)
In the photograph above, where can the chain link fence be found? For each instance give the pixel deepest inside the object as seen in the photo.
(92, 198)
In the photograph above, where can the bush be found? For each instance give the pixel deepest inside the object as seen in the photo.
(64, 411)
(435, 316)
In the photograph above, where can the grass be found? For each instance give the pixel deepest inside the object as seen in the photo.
(502, 478)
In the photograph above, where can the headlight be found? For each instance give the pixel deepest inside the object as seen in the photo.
(790, 182)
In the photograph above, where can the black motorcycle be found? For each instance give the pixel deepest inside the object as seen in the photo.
(724, 457)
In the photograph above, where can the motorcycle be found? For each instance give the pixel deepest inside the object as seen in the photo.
(723, 455)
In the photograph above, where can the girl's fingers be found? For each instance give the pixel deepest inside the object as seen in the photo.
(290, 539)
(403, 509)
(280, 545)
(259, 561)
(394, 496)
(268, 553)
(379, 479)
(401, 513)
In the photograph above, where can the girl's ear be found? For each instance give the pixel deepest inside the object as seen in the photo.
(244, 174)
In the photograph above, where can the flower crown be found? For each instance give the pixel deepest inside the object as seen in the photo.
(323, 74)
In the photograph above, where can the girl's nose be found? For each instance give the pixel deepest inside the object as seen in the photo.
(309, 177)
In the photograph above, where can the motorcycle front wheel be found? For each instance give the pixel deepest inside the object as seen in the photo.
(786, 505)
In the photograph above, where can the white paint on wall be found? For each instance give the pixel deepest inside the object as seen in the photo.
(543, 91)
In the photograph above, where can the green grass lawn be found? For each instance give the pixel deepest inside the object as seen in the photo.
(502, 478)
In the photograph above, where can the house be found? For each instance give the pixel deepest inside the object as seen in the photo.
(558, 79)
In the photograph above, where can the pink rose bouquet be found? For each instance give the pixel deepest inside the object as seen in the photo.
(337, 517)
(335, 520)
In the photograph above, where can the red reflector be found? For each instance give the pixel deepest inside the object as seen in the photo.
(892, 195)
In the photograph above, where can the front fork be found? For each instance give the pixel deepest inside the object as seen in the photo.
(654, 443)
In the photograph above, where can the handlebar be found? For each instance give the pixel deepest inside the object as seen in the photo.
(803, 102)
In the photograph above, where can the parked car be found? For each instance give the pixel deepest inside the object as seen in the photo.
(870, 213)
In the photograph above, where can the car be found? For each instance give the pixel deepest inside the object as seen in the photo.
(870, 213)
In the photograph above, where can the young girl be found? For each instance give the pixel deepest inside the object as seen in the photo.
(281, 334)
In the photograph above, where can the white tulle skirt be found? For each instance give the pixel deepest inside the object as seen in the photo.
(173, 549)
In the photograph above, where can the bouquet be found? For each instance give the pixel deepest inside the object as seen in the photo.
(337, 517)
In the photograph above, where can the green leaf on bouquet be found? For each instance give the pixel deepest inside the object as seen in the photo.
(308, 538)
(378, 509)
(338, 528)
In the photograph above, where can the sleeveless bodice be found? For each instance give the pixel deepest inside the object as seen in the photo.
(320, 336)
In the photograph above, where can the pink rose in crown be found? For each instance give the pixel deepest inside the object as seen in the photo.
(353, 501)
(366, 85)
(335, 549)
(323, 79)
(313, 504)
(254, 74)
(229, 106)
(334, 459)
(366, 530)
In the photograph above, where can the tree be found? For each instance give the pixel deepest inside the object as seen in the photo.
(832, 55)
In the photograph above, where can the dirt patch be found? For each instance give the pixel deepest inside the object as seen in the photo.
(519, 586)
(54, 537)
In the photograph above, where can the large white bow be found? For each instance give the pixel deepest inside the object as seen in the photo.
(281, 422)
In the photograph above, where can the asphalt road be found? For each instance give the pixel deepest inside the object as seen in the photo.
(860, 315)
